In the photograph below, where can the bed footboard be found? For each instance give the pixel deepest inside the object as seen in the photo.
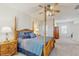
(48, 47)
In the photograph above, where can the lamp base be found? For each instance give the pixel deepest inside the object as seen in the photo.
(6, 36)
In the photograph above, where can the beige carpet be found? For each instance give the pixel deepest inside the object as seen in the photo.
(65, 49)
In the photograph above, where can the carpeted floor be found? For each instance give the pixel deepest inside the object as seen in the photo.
(65, 49)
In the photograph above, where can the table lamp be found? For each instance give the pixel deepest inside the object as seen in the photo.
(6, 31)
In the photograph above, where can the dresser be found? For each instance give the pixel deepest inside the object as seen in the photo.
(56, 32)
(8, 48)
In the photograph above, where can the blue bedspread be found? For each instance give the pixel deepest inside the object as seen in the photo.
(34, 45)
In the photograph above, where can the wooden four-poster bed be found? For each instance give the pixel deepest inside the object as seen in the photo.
(32, 45)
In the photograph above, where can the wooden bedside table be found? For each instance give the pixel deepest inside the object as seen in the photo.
(8, 48)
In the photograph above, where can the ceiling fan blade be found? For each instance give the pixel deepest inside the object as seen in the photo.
(55, 4)
(40, 6)
(56, 11)
(77, 7)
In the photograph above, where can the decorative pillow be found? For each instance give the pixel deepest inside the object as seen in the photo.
(32, 35)
(26, 35)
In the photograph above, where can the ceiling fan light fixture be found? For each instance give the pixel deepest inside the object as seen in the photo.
(49, 13)
(51, 7)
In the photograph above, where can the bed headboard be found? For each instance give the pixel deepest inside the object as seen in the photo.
(21, 30)
(25, 30)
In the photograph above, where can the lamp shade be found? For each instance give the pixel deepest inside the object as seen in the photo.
(6, 30)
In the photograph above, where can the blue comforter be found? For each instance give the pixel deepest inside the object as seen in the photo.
(34, 45)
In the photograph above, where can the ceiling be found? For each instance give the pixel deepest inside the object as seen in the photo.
(67, 11)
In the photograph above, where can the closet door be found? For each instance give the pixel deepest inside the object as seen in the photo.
(56, 32)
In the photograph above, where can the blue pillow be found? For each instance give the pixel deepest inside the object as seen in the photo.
(26, 35)
(32, 35)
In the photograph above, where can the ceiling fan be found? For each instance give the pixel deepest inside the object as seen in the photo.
(52, 9)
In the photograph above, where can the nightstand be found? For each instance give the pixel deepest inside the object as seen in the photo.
(8, 48)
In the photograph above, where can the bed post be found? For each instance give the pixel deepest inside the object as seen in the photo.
(33, 25)
(45, 31)
(15, 32)
(53, 25)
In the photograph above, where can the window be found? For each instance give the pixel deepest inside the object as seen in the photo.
(64, 29)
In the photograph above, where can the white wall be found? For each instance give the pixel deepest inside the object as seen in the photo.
(23, 21)
(76, 32)
(49, 29)
(71, 29)
(7, 17)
